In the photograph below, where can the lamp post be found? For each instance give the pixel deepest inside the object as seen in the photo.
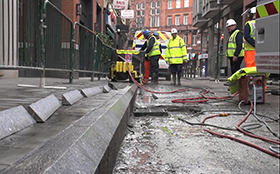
(218, 44)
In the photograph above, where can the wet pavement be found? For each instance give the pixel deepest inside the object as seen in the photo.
(158, 138)
(165, 137)
(42, 147)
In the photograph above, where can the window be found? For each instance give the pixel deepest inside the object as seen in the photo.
(178, 3)
(169, 20)
(186, 19)
(186, 3)
(157, 4)
(143, 9)
(152, 5)
(157, 11)
(177, 20)
(142, 22)
(193, 39)
(142, 12)
(152, 21)
(152, 8)
(185, 39)
(169, 4)
(137, 22)
(157, 21)
(137, 9)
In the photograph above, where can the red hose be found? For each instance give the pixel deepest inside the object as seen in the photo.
(184, 100)
(252, 135)
(141, 86)
(190, 100)
(200, 99)
(239, 140)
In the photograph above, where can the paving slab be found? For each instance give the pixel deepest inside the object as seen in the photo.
(76, 136)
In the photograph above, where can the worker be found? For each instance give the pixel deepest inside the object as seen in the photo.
(152, 49)
(147, 64)
(176, 55)
(234, 51)
(249, 37)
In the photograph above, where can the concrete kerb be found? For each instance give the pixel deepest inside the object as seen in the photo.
(44, 108)
(71, 97)
(84, 148)
(13, 120)
(106, 89)
(88, 92)
(96, 150)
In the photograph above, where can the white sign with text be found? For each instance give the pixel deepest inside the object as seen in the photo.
(127, 14)
(120, 4)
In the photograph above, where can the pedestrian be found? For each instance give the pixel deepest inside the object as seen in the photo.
(152, 49)
(176, 55)
(249, 37)
(234, 51)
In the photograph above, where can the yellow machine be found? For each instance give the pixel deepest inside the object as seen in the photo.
(127, 60)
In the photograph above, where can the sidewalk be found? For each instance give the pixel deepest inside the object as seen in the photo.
(81, 137)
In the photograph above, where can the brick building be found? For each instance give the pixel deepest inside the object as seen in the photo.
(163, 16)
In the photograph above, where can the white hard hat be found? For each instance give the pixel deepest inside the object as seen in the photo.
(253, 10)
(230, 22)
(174, 30)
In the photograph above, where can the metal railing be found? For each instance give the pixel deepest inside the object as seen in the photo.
(50, 42)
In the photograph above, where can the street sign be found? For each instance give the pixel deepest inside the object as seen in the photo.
(120, 4)
(127, 14)
(203, 56)
(128, 57)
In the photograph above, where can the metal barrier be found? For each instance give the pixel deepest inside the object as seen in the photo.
(50, 42)
(189, 69)
(103, 57)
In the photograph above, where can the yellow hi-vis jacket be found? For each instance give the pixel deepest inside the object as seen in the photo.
(155, 50)
(252, 25)
(233, 80)
(232, 45)
(176, 51)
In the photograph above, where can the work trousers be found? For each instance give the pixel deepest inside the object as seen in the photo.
(175, 68)
(154, 64)
(249, 58)
(235, 66)
(147, 70)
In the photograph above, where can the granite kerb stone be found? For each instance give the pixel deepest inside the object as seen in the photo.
(88, 92)
(71, 97)
(89, 150)
(44, 108)
(80, 147)
(13, 120)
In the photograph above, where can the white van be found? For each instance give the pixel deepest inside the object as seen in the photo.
(164, 37)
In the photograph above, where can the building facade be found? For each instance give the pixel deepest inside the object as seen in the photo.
(210, 16)
(21, 24)
(163, 15)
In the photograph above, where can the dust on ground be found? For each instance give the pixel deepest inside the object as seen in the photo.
(167, 144)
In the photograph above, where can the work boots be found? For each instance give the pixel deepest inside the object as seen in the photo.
(173, 79)
(154, 78)
(179, 78)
